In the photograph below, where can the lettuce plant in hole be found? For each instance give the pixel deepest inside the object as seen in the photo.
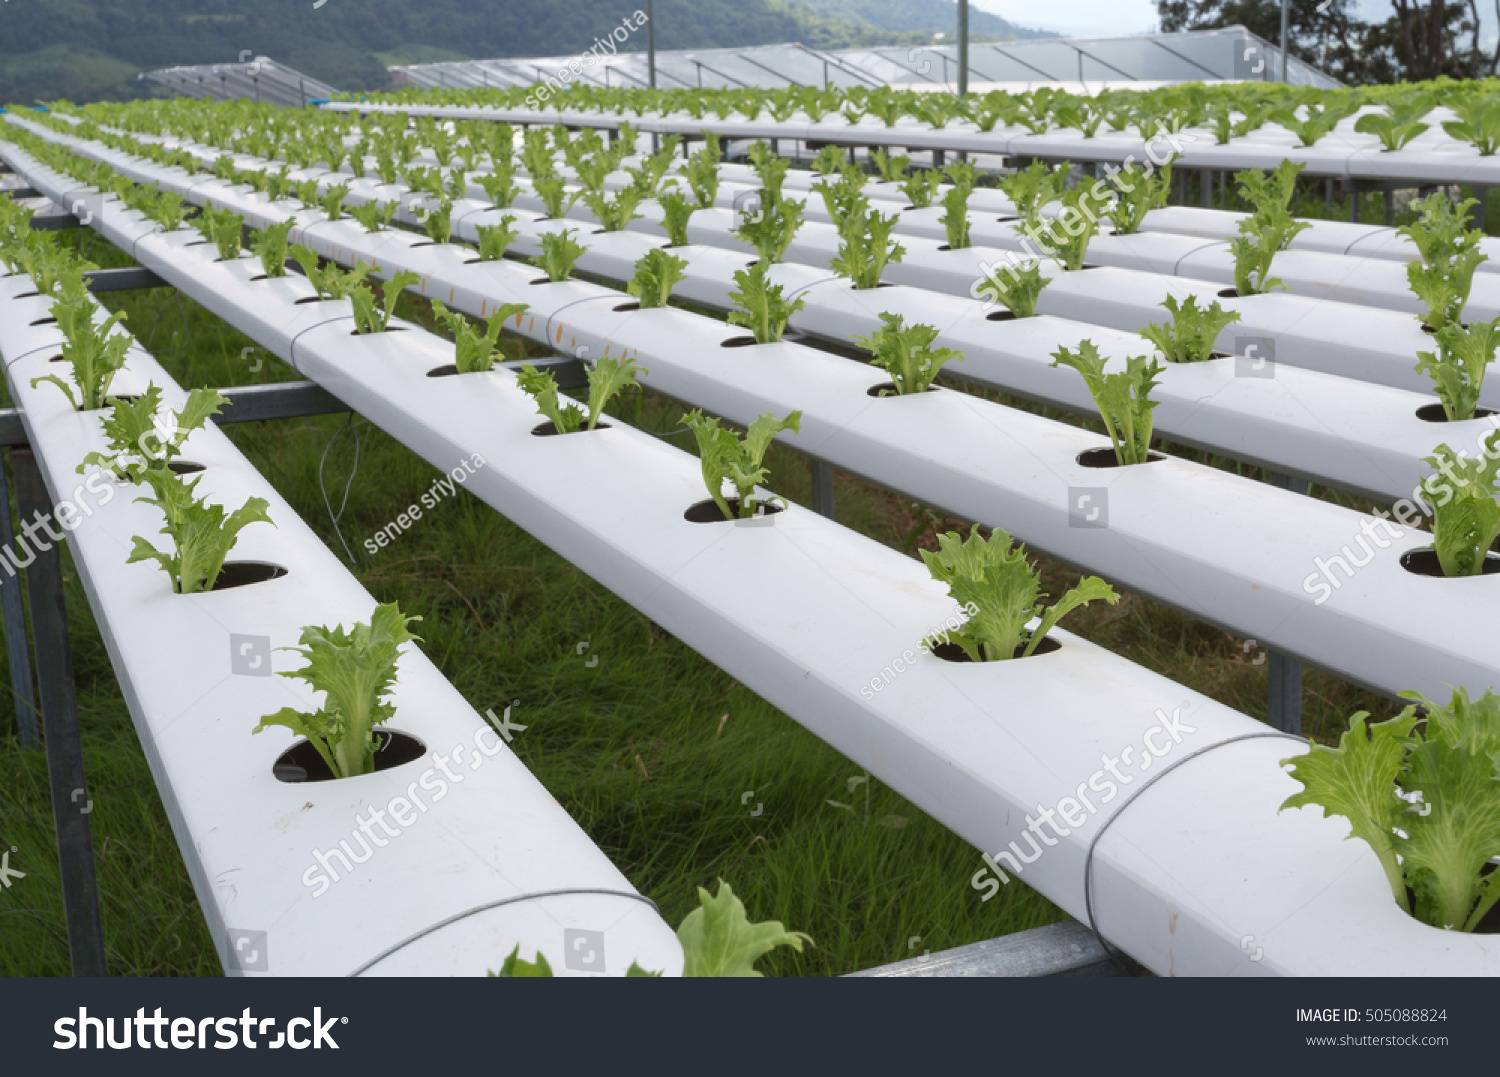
(559, 252)
(614, 213)
(436, 219)
(656, 272)
(1420, 789)
(1014, 287)
(702, 172)
(1462, 492)
(222, 228)
(457, 186)
(725, 457)
(955, 202)
(140, 440)
(333, 201)
(592, 172)
(760, 306)
(1190, 336)
(771, 171)
(1450, 254)
(374, 216)
(475, 352)
(1318, 120)
(994, 577)
(607, 379)
(1393, 133)
(921, 185)
(307, 192)
(496, 239)
(1478, 123)
(202, 534)
(372, 315)
(718, 939)
(1458, 366)
(1137, 192)
(554, 195)
(866, 248)
(829, 160)
(91, 350)
(906, 353)
(890, 169)
(356, 671)
(499, 187)
(770, 228)
(269, 245)
(329, 281)
(1071, 230)
(1033, 187)
(844, 196)
(1123, 399)
(676, 212)
(1263, 235)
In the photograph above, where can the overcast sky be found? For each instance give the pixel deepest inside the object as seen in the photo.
(1100, 18)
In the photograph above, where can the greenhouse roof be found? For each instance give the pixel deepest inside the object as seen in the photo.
(1232, 53)
(261, 79)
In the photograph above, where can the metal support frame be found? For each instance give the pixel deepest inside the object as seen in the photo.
(13, 614)
(963, 47)
(1067, 948)
(1206, 185)
(121, 280)
(65, 774)
(822, 488)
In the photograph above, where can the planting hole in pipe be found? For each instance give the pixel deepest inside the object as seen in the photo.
(888, 389)
(302, 763)
(243, 573)
(952, 652)
(547, 430)
(1434, 413)
(738, 342)
(623, 307)
(707, 512)
(387, 329)
(1000, 316)
(26, 295)
(447, 370)
(1424, 562)
(43, 321)
(1106, 458)
(312, 299)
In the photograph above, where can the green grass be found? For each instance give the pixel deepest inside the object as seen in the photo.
(652, 749)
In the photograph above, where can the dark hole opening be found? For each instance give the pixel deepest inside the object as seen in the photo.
(302, 763)
(1106, 458)
(706, 512)
(952, 652)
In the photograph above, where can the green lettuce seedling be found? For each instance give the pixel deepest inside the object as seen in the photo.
(770, 228)
(554, 195)
(771, 170)
(499, 187)
(717, 939)
(496, 239)
(890, 169)
(607, 378)
(329, 281)
(374, 216)
(475, 352)
(724, 457)
(829, 160)
(356, 671)
(1071, 230)
(1190, 336)
(1137, 192)
(92, 352)
(1033, 187)
(372, 316)
(559, 252)
(844, 197)
(760, 306)
(614, 213)
(141, 441)
(907, 354)
(1450, 255)
(1320, 119)
(1269, 191)
(866, 248)
(956, 204)
(202, 534)
(655, 275)
(702, 172)
(1392, 134)
(436, 219)
(333, 201)
(920, 186)
(994, 578)
(269, 245)
(676, 212)
(1123, 399)
(1478, 122)
(1014, 287)
(1263, 235)
(1458, 367)
(1465, 513)
(222, 228)
(1421, 790)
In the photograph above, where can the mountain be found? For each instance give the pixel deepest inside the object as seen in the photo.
(926, 16)
(88, 49)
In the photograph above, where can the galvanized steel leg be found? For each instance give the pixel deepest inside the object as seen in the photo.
(822, 488)
(1284, 707)
(70, 801)
(1206, 186)
(13, 615)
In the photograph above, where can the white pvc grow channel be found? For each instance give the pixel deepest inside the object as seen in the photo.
(805, 612)
(494, 864)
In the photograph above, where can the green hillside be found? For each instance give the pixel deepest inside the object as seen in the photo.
(88, 49)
